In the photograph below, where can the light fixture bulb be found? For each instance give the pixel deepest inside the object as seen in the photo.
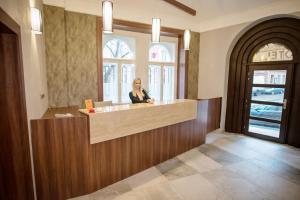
(107, 16)
(187, 39)
(155, 30)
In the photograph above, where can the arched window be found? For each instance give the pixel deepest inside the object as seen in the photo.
(159, 53)
(161, 72)
(272, 52)
(118, 67)
(117, 48)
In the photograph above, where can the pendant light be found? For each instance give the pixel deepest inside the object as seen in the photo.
(107, 16)
(187, 39)
(155, 30)
(36, 21)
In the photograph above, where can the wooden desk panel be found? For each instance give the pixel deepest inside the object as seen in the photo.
(67, 165)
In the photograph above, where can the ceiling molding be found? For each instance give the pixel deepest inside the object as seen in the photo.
(182, 7)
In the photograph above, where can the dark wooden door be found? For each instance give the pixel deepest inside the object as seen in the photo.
(268, 101)
(15, 168)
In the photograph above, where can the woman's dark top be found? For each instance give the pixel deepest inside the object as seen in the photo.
(137, 99)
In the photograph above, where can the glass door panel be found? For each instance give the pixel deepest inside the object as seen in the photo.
(264, 128)
(266, 111)
(266, 103)
(267, 94)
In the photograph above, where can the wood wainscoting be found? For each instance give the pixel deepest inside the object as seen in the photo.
(67, 165)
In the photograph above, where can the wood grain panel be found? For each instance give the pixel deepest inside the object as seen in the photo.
(15, 166)
(67, 165)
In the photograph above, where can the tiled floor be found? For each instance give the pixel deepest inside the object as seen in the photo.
(228, 166)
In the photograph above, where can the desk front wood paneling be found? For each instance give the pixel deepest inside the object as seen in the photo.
(67, 165)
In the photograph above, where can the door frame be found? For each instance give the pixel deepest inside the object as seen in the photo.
(283, 30)
(277, 65)
(8, 25)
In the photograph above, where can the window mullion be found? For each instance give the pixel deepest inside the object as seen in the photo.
(162, 82)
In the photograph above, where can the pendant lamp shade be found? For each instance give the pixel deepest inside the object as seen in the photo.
(107, 16)
(155, 30)
(187, 39)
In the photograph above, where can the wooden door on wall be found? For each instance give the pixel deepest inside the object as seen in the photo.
(15, 167)
(267, 101)
(272, 41)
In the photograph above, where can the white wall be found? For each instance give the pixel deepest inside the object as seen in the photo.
(33, 55)
(215, 50)
(211, 14)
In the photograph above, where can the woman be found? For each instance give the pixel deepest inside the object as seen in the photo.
(138, 94)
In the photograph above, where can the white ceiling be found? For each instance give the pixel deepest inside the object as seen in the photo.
(211, 14)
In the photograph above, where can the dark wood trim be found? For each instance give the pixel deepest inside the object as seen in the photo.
(67, 165)
(265, 119)
(280, 30)
(9, 23)
(99, 58)
(182, 69)
(16, 171)
(267, 102)
(182, 7)
(144, 28)
(269, 85)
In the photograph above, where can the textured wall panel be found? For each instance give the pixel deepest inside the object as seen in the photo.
(54, 30)
(193, 66)
(81, 57)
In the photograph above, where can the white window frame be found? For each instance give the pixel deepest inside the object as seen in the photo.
(119, 63)
(162, 65)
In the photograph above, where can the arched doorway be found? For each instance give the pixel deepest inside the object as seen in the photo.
(258, 104)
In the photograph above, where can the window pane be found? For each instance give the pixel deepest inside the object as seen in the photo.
(163, 52)
(118, 47)
(272, 52)
(264, 128)
(154, 81)
(128, 75)
(268, 94)
(269, 77)
(168, 84)
(110, 82)
(266, 111)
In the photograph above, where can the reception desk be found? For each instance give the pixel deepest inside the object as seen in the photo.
(79, 155)
(111, 122)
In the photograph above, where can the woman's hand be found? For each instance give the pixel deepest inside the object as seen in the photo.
(150, 101)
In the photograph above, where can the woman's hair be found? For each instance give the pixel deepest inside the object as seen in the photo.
(133, 87)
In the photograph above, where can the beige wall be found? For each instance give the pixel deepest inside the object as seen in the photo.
(193, 68)
(71, 54)
(215, 49)
(55, 42)
(81, 51)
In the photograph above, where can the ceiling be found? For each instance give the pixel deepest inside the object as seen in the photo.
(211, 14)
